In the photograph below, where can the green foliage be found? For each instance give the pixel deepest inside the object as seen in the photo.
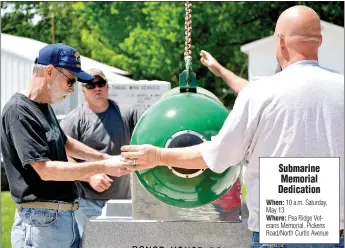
(17, 20)
(147, 38)
(8, 209)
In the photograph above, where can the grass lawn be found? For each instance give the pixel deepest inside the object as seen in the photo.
(7, 215)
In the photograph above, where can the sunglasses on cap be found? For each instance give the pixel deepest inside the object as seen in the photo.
(71, 81)
(92, 85)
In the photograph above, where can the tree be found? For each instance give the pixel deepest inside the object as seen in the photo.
(147, 38)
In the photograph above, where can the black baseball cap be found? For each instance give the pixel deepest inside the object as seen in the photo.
(63, 56)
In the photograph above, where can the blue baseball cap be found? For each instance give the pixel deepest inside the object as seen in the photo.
(63, 56)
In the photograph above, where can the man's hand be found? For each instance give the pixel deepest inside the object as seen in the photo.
(211, 63)
(106, 156)
(100, 182)
(117, 166)
(235, 82)
(141, 156)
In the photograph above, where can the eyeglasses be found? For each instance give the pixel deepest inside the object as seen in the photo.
(91, 85)
(70, 81)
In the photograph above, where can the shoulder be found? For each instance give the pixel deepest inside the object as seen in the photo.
(10, 113)
(334, 72)
(334, 76)
(128, 113)
(11, 105)
(125, 110)
(256, 95)
(19, 114)
(74, 115)
(16, 109)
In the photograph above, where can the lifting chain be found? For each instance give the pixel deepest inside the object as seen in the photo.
(188, 41)
(188, 29)
(187, 78)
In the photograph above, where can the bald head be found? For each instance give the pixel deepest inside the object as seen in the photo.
(299, 23)
(298, 35)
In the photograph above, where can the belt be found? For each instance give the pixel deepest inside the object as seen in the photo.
(50, 205)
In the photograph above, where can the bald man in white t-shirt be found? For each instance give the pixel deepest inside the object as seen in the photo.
(298, 112)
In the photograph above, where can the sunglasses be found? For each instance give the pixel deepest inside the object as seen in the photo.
(71, 82)
(91, 86)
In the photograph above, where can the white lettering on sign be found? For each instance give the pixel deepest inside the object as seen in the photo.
(140, 95)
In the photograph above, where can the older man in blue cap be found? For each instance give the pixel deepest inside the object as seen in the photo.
(35, 150)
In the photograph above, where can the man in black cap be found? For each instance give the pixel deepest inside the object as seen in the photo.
(35, 150)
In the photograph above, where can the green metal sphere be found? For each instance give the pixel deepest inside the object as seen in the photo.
(180, 120)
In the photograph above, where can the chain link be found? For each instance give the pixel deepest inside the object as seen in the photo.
(188, 29)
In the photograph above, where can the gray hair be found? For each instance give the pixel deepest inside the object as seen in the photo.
(39, 69)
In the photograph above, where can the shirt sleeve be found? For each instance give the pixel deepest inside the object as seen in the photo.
(29, 141)
(229, 146)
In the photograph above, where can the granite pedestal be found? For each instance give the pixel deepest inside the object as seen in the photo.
(145, 222)
(119, 233)
(118, 208)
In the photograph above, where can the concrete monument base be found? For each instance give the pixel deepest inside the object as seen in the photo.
(122, 232)
(144, 222)
(118, 208)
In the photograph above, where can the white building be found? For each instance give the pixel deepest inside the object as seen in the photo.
(17, 58)
(262, 60)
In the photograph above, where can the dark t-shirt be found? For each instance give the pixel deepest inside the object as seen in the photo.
(105, 132)
(30, 132)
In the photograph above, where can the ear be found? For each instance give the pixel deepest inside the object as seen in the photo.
(48, 72)
(282, 42)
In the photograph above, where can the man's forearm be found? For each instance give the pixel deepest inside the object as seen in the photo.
(189, 157)
(85, 178)
(66, 171)
(76, 149)
(235, 82)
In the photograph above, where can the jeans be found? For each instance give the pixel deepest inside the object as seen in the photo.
(36, 227)
(255, 244)
(87, 209)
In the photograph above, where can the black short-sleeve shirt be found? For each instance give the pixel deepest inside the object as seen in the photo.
(30, 132)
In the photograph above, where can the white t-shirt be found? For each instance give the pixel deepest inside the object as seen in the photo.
(298, 112)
